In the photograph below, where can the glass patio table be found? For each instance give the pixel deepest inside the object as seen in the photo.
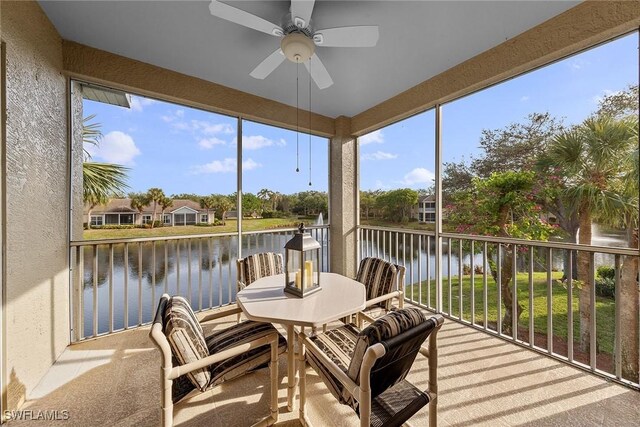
(265, 301)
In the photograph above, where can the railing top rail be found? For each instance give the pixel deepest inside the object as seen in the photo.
(77, 243)
(519, 242)
(398, 230)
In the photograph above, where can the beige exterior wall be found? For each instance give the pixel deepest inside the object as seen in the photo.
(37, 276)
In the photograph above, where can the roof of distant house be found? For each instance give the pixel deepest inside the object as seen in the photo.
(427, 198)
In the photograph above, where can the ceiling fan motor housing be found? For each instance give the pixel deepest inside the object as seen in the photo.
(297, 47)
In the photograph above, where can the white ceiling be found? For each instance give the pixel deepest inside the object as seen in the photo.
(418, 40)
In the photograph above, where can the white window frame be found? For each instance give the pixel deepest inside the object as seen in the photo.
(166, 219)
(96, 220)
(204, 217)
(146, 218)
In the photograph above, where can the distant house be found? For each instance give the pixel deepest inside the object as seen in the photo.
(426, 209)
(119, 212)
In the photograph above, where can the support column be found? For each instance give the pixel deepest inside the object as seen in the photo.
(343, 202)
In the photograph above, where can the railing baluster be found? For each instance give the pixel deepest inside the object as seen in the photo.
(200, 274)
(166, 267)
(449, 275)
(411, 265)
(126, 285)
(230, 281)
(95, 290)
(139, 284)
(384, 246)
(618, 321)
(378, 243)
(570, 307)
(429, 272)
(78, 286)
(514, 302)
(178, 267)
(485, 283)
(419, 269)
(549, 301)
(220, 274)
(110, 288)
(531, 295)
(592, 307)
(397, 249)
(460, 271)
(153, 276)
(404, 261)
(189, 287)
(499, 286)
(472, 278)
(210, 257)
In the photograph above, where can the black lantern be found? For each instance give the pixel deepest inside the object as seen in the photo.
(301, 258)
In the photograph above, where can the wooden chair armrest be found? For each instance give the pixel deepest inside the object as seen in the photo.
(347, 382)
(381, 298)
(177, 371)
(224, 312)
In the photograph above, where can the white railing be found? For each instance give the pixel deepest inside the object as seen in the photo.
(536, 287)
(117, 282)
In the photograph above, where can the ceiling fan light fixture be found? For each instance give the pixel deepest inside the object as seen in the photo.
(297, 47)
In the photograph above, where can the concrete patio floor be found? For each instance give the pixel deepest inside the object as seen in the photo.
(114, 380)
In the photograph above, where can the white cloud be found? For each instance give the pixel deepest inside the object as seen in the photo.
(256, 142)
(227, 165)
(376, 137)
(197, 127)
(138, 103)
(208, 143)
(419, 176)
(525, 98)
(379, 155)
(116, 147)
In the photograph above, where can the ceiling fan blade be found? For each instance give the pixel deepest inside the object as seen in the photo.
(239, 16)
(301, 12)
(269, 64)
(358, 36)
(318, 72)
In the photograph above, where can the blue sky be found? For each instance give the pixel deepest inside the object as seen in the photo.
(184, 150)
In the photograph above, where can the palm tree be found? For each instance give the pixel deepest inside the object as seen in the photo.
(155, 195)
(165, 203)
(139, 201)
(589, 156)
(100, 181)
(223, 204)
(265, 195)
(208, 203)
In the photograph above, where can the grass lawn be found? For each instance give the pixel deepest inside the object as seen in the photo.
(250, 224)
(605, 307)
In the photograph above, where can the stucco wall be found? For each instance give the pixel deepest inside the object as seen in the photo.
(37, 312)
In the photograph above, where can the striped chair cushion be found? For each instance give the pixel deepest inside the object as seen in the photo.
(338, 344)
(259, 265)
(378, 277)
(241, 333)
(235, 366)
(382, 329)
(185, 336)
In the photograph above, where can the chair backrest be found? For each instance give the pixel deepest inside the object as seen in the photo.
(176, 329)
(258, 265)
(379, 278)
(401, 333)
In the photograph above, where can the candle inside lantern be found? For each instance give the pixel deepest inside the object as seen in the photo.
(298, 279)
(308, 273)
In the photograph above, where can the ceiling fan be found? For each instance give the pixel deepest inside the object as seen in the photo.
(298, 38)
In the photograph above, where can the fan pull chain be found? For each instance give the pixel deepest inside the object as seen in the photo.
(297, 123)
(309, 122)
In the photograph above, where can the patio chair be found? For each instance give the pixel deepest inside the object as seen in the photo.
(190, 360)
(256, 266)
(367, 370)
(384, 281)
